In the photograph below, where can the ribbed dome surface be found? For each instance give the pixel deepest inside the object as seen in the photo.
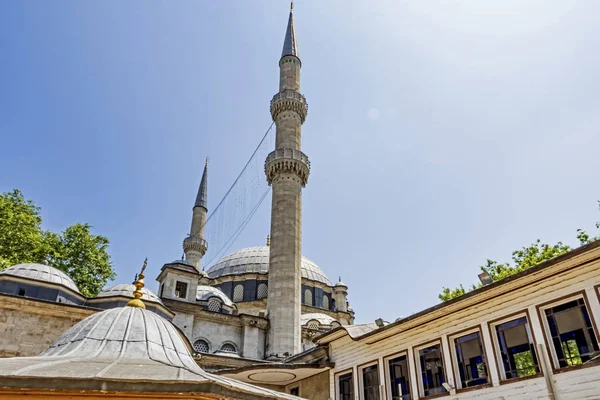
(126, 289)
(323, 319)
(123, 344)
(256, 260)
(206, 292)
(41, 272)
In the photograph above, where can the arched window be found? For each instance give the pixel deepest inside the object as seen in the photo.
(229, 348)
(335, 324)
(313, 324)
(214, 305)
(308, 297)
(238, 293)
(201, 346)
(262, 291)
(325, 302)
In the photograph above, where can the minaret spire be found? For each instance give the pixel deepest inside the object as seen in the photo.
(194, 246)
(290, 45)
(201, 196)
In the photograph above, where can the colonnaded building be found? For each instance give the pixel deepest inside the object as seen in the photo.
(270, 317)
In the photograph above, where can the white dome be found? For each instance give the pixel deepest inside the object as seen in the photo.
(42, 273)
(206, 292)
(126, 290)
(255, 260)
(323, 319)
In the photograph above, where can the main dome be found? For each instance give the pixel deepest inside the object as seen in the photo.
(255, 260)
(41, 272)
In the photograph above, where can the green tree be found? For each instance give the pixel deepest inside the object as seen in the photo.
(76, 251)
(524, 258)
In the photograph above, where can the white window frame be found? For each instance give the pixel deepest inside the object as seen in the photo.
(454, 356)
(361, 389)
(498, 351)
(337, 381)
(386, 366)
(548, 335)
(418, 364)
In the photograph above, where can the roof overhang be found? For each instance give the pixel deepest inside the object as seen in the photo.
(576, 258)
(276, 373)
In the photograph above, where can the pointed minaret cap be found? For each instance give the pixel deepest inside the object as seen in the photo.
(201, 196)
(290, 46)
(139, 285)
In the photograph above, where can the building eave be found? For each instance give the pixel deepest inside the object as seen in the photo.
(484, 293)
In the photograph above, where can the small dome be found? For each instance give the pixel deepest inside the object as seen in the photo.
(206, 292)
(106, 334)
(126, 290)
(125, 344)
(42, 273)
(323, 319)
(255, 260)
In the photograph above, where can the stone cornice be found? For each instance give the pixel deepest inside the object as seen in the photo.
(289, 100)
(283, 162)
(45, 307)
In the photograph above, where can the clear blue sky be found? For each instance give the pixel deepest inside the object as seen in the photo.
(441, 133)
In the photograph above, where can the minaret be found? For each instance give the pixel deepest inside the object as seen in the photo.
(194, 246)
(287, 170)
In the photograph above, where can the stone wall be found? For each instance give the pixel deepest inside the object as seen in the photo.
(314, 388)
(29, 326)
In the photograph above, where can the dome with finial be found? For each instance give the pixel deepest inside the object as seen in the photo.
(121, 346)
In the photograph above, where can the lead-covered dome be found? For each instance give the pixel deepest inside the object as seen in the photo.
(42, 273)
(255, 260)
(126, 290)
(205, 293)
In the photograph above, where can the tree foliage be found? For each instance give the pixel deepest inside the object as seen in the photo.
(76, 251)
(524, 258)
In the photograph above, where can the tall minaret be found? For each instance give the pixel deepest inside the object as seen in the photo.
(287, 170)
(194, 246)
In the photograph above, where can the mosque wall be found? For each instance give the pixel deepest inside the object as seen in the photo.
(217, 334)
(576, 278)
(315, 387)
(28, 326)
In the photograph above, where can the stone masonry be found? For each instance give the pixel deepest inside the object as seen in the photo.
(287, 170)
(29, 326)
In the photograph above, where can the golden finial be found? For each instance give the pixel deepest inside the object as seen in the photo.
(292, 5)
(268, 240)
(139, 285)
(206, 162)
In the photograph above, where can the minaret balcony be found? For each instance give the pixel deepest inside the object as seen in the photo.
(285, 162)
(289, 100)
(192, 243)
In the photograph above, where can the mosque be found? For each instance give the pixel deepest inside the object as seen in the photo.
(266, 322)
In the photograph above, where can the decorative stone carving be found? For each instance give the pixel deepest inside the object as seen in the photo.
(289, 100)
(195, 244)
(287, 161)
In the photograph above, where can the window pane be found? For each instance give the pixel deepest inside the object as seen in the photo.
(181, 290)
(516, 349)
(346, 387)
(399, 382)
(432, 371)
(370, 383)
(472, 366)
(573, 337)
